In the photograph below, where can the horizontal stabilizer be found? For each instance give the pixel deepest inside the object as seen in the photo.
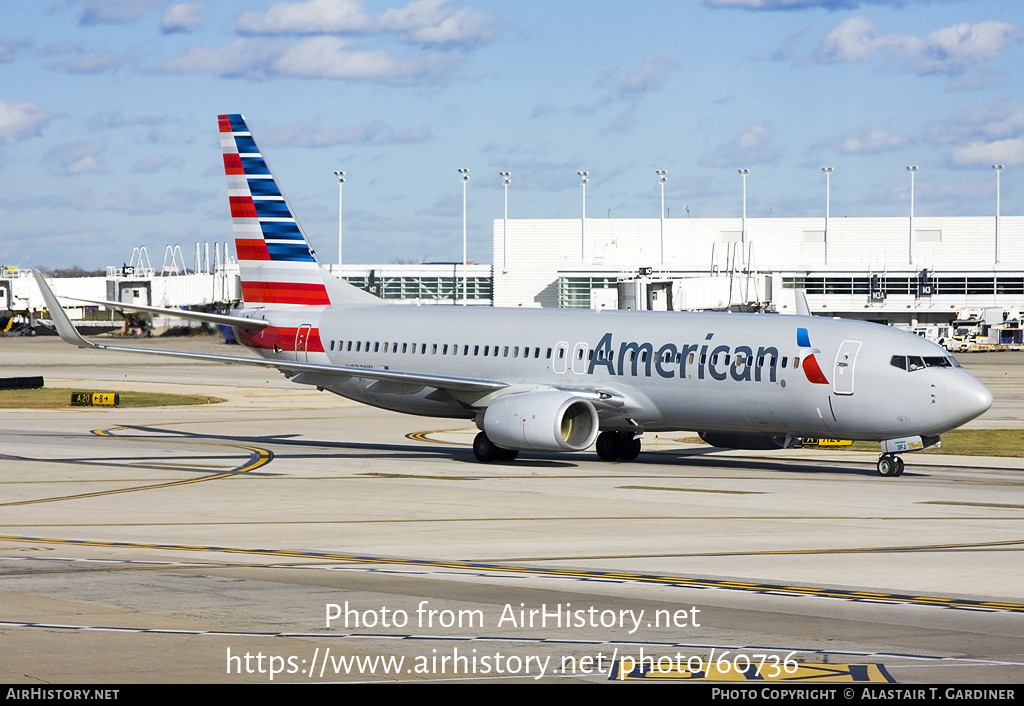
(239, 321)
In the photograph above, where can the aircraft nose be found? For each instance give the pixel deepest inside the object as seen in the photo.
(967, 399)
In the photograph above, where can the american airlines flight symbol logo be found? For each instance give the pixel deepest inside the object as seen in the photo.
(810, 364)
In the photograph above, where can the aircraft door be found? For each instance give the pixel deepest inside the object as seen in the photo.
(301, 340)
(846, 361)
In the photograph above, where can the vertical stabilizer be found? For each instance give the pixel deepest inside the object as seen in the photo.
(276, 262)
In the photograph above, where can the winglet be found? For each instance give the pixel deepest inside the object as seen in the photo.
(65, 328)
(802, 307)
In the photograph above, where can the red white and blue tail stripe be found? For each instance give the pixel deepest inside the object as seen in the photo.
(277, 265)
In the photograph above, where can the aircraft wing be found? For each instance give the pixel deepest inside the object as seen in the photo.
(70, 334)
(240, 321)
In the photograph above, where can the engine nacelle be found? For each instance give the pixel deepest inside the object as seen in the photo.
(541, 421)
(750, 442)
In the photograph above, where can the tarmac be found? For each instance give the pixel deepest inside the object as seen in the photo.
(330, 541)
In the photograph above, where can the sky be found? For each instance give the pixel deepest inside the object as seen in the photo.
(108, 130)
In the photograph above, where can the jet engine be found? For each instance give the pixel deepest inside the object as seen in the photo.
(752, 442)
(541, 421)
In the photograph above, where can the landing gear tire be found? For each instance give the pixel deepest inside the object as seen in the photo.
(617, 446)
(629, 448)
(485, 450)
(507, 455)
(607, 445)
(890, 466)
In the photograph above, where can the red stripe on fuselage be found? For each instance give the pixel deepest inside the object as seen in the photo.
(284, 293)
(280, 336)
(254, 249)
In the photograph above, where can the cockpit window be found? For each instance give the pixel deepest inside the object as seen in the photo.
(915, 362)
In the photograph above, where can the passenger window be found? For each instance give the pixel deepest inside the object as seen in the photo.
(536, 352)
(385, 346)
(476, 350)
(690, 358)
(549, 354)
(444, 349)
(515, 352)
(359, 346)
(785, 359)
(433, 349)
(796, 362)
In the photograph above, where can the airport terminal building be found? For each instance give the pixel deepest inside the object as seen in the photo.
(901, 271)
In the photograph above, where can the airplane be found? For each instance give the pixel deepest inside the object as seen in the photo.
(563, 380)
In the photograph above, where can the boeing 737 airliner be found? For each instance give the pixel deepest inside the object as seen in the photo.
(558, 380)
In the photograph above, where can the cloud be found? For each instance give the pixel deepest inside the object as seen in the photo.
(331, 57)
(868, 141)
(96, 12)
(183, 17)
(982, 135)
(19, 121)
(130, 200)
(93, 62)
(807, 4)
(375, 132)
(315, 57)
(651, 76)
(949, 51)
(154, 163)
(76, 157)
(750, 147)
(84, 60)
(9, 49)
(1009, 152)
(418, 22)
(622, 123)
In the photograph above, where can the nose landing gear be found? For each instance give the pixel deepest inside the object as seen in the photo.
(890, 465)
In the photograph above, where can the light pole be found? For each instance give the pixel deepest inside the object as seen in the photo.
(743, 230)
(828, 196)
(584, 178)
(506, 179)
(341, 184)
(912, 168)
(998, 169)
(662, 178)
(465, 180)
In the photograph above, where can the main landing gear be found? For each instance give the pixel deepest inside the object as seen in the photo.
(617, 446)
(486, 452)
(890, 465)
